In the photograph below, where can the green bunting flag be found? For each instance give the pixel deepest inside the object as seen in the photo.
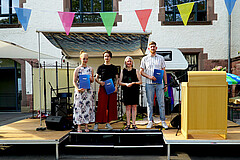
(108, 19)
(185, 11)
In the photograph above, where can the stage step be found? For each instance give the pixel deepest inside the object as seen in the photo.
(112, 146)
(116, 139)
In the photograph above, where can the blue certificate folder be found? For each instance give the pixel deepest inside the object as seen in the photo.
(158, 74)
(84, 81)
(109, 86)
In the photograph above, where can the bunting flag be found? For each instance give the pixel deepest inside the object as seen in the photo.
(67, 19)
(23, 15)
(230, 4)
(108, 19)
(185, 10)
(143, 16)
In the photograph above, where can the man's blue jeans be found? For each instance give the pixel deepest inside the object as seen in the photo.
(150, 90)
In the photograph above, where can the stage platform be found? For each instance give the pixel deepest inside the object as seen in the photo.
(233, 138)
(24, 132)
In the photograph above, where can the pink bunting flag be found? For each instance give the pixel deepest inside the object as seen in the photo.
(67, 19)
(143, 16)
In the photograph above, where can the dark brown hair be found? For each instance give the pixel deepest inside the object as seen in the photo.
(109, 52)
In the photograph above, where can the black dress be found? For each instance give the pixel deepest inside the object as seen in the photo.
(130, 94)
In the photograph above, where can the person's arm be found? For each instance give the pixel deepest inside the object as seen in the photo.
(75, 81)
(146, 75)
(165, 80)
(98, 81)
(139, 78)
(91, 77)
(116, 83)
(120, 79)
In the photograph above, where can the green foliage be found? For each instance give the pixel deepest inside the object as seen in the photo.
(219, 68)
(138, 117)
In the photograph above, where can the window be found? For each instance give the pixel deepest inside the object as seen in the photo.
(199, 12)
(192, 60)
(167, 55)
(86, 10)
(7, 12)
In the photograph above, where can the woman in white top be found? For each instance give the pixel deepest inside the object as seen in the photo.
(83, 107)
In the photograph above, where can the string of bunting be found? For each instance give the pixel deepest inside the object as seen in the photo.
(108, 18)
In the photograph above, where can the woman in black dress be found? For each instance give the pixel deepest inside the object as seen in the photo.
(130, 80)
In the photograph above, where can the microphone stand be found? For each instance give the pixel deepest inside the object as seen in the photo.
(179, 102)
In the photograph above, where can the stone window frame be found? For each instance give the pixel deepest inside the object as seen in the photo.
(210, 15)
(67, 8)
(14, 25)
(199, 53)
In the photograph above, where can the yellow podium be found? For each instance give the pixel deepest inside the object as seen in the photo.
(204, 103)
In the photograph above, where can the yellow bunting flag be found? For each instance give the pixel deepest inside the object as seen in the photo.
(185, 11)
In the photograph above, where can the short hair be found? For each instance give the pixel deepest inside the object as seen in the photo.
(109, 52)
(152, 43)
(128, 57)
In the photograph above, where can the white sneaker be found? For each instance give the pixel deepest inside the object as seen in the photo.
(150, 124)
(95, 128)
(108, 126)
(164, 125)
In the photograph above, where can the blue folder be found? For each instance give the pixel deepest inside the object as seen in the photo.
(158, 74)
(84, 81)
(109, 86)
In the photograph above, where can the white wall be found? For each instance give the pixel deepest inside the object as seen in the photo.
(236, 30)
(213, 38)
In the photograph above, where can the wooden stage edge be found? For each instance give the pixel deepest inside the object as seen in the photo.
(24, 132)
(233, 137)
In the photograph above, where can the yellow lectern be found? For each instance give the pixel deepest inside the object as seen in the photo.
(204, 103)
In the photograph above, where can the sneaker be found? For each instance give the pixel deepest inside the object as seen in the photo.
(164, 125)
(108, 126)
(150, 124)
(95, 128)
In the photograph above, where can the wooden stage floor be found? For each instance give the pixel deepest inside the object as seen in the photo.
(24, 132)
(233, 136)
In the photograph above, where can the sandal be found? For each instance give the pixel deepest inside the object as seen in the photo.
(127, 127)
(134, 126)
(79, 131)
(86, 130)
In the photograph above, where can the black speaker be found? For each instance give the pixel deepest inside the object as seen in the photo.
(57, 123)
(176, 121)
(167, 105)
(54, 103)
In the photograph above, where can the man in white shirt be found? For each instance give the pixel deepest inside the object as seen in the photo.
(148, 64)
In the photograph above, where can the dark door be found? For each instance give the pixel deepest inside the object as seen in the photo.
(8, 96)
